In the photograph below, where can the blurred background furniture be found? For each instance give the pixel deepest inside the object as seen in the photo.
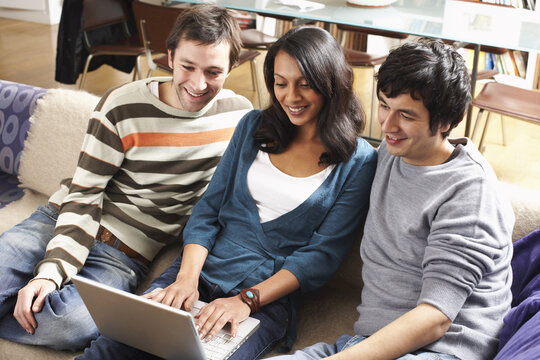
(103, 13)
(506, 100)
(76, 36)
(361, 58)
(255, 39)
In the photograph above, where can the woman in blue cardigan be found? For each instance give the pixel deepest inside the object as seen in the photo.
(283, 206)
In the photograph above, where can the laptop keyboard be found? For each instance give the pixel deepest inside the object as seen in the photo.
(221, 346)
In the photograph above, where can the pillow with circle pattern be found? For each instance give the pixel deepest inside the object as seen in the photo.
(17, 103)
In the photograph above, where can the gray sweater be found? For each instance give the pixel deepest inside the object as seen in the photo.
(438, 235)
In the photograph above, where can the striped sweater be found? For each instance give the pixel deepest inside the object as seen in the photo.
(142, 167)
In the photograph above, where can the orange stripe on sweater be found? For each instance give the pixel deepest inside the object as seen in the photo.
(176, 139)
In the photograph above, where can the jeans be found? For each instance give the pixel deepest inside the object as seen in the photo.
(273, 318)
(64, 322)
(322, 350)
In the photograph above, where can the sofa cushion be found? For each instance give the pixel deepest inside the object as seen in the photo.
(55, 137)
(526, 205)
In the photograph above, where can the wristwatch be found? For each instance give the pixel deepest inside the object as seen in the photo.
(250, 296)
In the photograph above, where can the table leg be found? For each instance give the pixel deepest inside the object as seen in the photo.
(473, 86)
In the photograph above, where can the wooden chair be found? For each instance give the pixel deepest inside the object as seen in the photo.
(506, 100)
(486, 74)
(255, 39)
(155, 22)
(101, 13)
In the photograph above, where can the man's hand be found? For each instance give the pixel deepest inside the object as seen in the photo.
(30, 300)
(214, 316)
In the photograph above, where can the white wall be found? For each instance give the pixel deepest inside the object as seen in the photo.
(40, 11)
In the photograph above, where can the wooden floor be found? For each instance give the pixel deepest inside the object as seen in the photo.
(28, 52)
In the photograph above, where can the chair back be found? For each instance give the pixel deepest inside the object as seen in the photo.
(103, 13)
(99, 13)
(154, 23)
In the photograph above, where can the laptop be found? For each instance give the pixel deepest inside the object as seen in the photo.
(156, 328)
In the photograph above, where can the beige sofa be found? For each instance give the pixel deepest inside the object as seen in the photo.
(50, 154)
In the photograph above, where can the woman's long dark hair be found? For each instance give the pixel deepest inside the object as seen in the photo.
(324, 67)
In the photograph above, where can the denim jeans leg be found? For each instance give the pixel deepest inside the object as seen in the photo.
(322, 350)
(64, 322)
(274, 319)
(313, 352)
(104, 348)
(21, 248)
(427, 355)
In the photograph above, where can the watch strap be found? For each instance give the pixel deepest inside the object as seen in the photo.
(251, 297)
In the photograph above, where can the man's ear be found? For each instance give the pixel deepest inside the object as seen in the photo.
(169, 58)
(444, 128)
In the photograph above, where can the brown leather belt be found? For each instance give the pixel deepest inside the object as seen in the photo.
(108, 238)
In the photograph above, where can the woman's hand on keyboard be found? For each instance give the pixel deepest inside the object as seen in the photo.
(181, 294)
(215, 315)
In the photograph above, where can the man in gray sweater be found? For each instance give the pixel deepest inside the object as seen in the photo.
(437, 242)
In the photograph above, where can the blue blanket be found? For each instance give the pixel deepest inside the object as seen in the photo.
(520, 336)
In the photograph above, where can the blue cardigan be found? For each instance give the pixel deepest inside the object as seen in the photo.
(310, 241)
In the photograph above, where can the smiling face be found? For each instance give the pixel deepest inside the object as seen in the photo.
(300, 102)
(199, 71)
(405, 123)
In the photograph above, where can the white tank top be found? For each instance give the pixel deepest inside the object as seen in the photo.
(277, 193)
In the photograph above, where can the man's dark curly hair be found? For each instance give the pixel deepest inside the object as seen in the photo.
(433, 72)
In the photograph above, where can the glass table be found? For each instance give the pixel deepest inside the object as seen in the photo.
(465, 22)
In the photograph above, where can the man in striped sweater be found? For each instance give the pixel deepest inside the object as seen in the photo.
(148, 155)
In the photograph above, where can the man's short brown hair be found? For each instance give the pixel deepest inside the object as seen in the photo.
(207, 24)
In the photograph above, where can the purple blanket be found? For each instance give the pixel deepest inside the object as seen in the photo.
(520, 336)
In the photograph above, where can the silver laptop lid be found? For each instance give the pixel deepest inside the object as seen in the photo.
(145, 324)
